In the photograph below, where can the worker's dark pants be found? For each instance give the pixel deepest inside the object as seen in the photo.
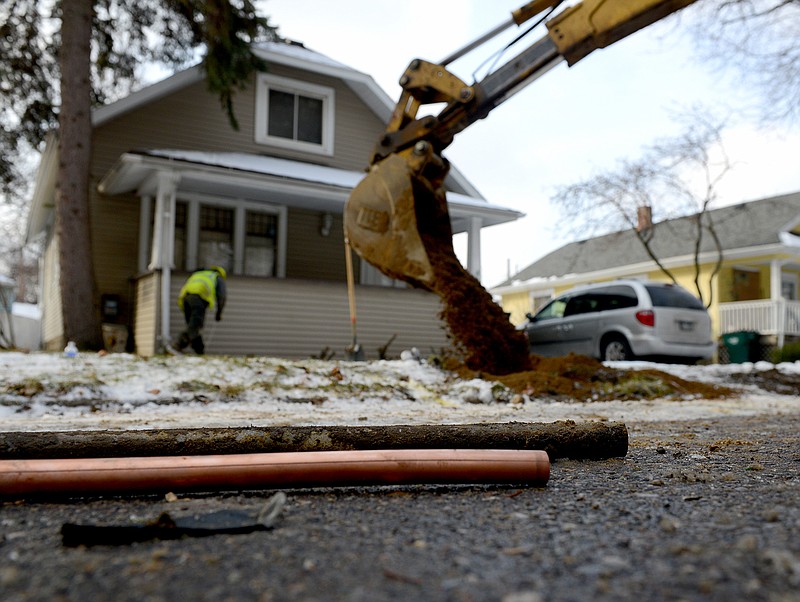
(194, 310)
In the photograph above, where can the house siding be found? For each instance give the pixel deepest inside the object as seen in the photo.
(517, 305)
(146, 318)
(311, 255)
(191, 118)
(115, 243)
(302, 319)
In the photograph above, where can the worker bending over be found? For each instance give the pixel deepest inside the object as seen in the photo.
(204, 289)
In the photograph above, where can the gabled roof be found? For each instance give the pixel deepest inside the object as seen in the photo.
(745, 226)
(290, 54)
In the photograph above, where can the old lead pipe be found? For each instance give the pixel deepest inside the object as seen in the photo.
(269, 470)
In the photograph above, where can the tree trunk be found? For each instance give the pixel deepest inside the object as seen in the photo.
(78, 299)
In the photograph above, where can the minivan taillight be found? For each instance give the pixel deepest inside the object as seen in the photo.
(646, 317)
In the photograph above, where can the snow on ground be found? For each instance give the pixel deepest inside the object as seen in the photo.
(48, 391)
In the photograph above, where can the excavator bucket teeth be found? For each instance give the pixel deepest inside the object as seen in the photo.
(380, 218)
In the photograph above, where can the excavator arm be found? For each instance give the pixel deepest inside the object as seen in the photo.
(396, 218)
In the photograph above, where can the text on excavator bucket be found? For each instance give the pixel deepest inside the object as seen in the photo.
(380, 218)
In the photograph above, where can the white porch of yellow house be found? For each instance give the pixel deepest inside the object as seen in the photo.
(777, 317)
(773, 317)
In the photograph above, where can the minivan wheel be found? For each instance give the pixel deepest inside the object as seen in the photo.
(616, 350)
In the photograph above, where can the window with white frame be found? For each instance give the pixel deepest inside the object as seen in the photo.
(215, 237)
(260, 238)
(538, 299)
(294, 114)
(242, 237)
(789, 286)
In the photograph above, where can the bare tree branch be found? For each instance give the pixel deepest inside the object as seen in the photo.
(675, 177)
(757, 41)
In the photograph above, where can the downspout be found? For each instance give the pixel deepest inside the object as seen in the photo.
(145, 211)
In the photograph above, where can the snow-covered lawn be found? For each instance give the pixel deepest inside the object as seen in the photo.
(47, 391)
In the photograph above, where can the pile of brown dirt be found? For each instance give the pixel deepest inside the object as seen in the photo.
(581, 378)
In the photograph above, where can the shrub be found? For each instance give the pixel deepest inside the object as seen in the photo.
(790, 352)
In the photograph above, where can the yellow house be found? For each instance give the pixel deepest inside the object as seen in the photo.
(754, 289)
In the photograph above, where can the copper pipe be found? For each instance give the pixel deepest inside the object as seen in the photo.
(259, 471)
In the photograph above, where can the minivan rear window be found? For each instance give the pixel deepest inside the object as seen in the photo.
(616, 297)
(673, 296)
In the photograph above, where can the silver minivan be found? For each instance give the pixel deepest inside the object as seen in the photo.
(623, 320)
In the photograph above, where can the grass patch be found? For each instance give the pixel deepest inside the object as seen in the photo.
(638, 385)
(25, 388)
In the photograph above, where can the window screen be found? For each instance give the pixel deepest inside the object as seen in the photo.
(281, 114)
(295, 117)
(215, 243)
(180, 236)
(259, 244)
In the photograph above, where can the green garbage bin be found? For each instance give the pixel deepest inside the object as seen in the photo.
(742, 346)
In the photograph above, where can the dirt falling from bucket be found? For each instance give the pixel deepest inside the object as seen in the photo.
(479, 328)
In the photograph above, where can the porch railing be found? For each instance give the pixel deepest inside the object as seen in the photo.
(771, 317)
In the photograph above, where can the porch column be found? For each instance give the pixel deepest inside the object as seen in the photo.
(474, 247)
(163, 249)
(775, 279)
(777, 300)
(145, 209)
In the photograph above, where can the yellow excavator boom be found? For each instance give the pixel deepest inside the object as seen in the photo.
(397, 217)
(380, 218)
(594, 24)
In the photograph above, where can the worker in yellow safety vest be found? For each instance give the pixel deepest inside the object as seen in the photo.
(204, 289)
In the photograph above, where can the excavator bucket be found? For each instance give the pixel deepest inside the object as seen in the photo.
(381, 218)
(397, 219)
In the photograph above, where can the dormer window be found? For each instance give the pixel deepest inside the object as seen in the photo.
(294, 115)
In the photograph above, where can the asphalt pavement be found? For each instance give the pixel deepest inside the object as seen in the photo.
(697, 510)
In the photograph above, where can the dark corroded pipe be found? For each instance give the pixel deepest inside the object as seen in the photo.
(563, 439)
(259, 471)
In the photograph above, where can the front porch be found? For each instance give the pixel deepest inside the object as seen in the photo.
(778, 319)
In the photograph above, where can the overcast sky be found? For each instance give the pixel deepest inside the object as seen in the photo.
(565, 127)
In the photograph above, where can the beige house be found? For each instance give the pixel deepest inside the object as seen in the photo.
(175, 187)
(755, 290)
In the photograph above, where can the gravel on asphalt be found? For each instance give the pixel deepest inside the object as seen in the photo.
(704, 509)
